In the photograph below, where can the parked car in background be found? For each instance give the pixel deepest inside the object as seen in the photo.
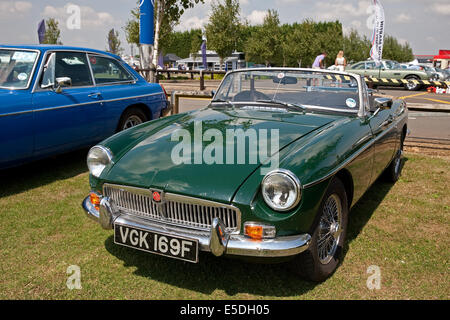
(390, 70)
(438, 73)
(55, 99)
(331, 142)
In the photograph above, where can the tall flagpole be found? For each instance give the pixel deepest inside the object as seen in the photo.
(146, 36)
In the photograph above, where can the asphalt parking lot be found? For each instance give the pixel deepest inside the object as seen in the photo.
(419, 99)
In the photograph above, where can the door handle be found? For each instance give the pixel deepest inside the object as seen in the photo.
(387, 122)
(95, 95)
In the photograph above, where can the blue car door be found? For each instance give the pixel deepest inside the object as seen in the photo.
(120, 90)
(66, 117)
(16, 112)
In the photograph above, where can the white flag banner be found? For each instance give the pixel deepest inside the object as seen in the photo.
(376, 53)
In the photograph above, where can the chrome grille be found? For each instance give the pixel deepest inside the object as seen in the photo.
(175, 209)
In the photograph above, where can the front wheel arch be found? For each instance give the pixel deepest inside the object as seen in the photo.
(140, 106)
(346, 178)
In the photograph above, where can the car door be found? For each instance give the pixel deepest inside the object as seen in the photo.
(120, 90)
(371, 70)
(16, 113)
(385, 138)
(66, 118)
(391, 70)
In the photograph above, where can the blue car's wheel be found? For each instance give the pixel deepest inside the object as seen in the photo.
(131, 118)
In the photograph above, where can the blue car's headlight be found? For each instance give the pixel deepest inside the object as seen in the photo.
(97, 160)
(281, 190)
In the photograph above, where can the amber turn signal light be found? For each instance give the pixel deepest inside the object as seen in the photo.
(95, 200)
(259, 231)
(254, 232)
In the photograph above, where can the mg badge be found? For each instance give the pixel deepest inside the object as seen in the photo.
(158, 200)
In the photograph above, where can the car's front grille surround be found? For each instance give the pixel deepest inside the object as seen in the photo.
(175, 209)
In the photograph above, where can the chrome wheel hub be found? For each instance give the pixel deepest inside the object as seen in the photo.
(330, 229)
(132, 122)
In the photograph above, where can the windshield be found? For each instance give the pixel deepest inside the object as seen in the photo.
(305, 89)
(16, 68)
(393, 65)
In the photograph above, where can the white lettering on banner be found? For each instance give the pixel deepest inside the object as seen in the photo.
(376, 52)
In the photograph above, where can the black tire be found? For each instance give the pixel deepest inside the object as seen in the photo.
(130, 118)
(394, 171)
(412, 86)
(309, 264)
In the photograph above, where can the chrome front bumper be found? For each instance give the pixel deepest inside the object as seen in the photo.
(217, 241)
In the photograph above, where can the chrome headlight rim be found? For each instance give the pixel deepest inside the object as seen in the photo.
(106, 151)
(296, 182)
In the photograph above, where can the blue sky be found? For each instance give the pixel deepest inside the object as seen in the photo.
(424, 24)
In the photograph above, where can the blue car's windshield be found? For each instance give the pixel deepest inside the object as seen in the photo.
(16, 68)
(308, 89)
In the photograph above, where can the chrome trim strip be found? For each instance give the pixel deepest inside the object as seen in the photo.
(32, 70)
(355, 155)
(80, 104)
(329, 109)
(90, 70)
(15, 113)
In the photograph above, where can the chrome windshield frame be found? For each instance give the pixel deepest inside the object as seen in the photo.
(359, 79)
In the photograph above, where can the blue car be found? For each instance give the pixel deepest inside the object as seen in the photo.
(54, 99)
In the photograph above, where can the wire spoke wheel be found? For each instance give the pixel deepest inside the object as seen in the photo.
(330, 229)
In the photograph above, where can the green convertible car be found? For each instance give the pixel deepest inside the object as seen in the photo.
(268, 171)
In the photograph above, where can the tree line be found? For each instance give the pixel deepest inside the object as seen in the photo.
(276, 44)
(270, 43)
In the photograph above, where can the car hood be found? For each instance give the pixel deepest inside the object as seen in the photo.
(149, 162)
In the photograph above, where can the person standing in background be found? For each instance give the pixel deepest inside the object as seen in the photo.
(318, 63)
(340, 62)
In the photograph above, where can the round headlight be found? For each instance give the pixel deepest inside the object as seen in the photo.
(281, 190)
(97, 160)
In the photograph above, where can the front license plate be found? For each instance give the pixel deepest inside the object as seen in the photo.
(157, 243)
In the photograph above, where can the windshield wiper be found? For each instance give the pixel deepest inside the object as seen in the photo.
(223, 101)
(288, 105)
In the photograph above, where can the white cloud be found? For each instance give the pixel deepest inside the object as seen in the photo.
(89, 17)
(403, 18)
(19, 8)
(256, 17)
(192, 23)
(441, 8)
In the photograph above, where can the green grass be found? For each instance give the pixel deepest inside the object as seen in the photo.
(401, 228)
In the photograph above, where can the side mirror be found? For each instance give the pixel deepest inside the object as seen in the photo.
(383, 103)
(213, 93)
(62, 82)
